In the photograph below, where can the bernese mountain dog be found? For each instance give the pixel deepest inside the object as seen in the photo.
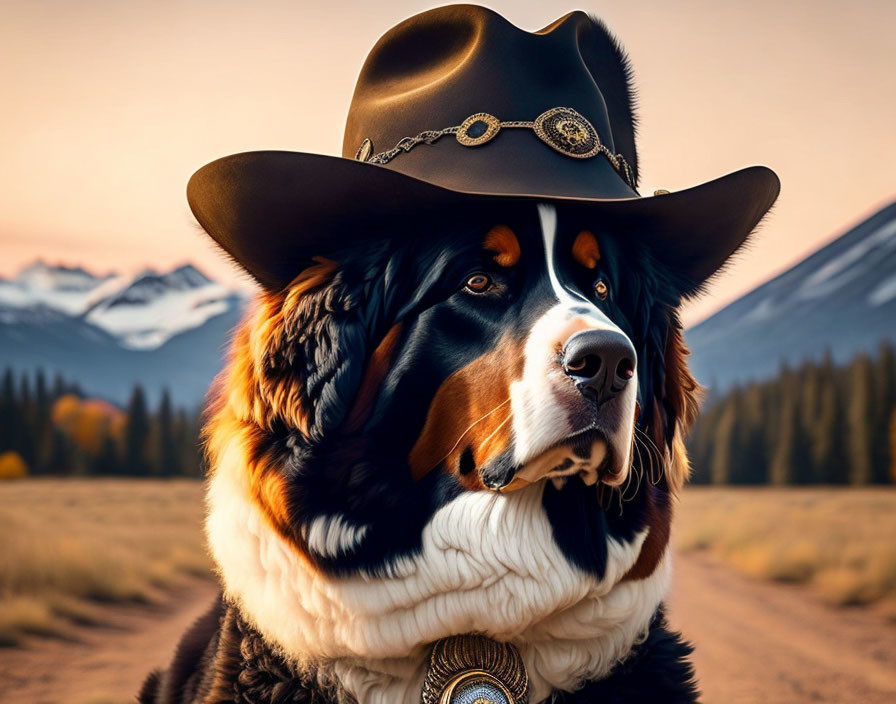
(444, 455)
(475, 432)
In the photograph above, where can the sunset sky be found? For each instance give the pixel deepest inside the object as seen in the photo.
(108, 107)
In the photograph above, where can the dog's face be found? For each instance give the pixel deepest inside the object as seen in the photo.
(531, 347)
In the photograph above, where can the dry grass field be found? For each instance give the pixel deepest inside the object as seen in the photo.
(841, 542)
(111, 567)
(69, 546)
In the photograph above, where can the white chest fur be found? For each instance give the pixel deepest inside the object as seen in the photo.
(488, 565)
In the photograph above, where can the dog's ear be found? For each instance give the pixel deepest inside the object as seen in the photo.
(299, 359)
(676, 401)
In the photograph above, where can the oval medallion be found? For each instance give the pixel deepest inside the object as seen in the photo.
(492, 125)
(568, 132)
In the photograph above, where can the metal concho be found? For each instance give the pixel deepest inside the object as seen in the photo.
(568, 132)
(492, 127)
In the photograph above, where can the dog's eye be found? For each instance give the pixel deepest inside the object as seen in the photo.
(601, 289)
(479, 283)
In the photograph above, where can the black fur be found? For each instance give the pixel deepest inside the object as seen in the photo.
(223, 656)
(657, 671)
(416, 281)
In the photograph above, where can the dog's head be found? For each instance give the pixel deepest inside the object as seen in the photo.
(527, 346)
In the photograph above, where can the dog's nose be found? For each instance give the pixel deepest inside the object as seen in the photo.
(600, 362)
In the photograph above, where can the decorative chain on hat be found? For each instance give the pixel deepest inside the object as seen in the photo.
(562, 129)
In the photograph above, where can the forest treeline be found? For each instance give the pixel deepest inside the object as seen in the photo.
(53, 428)
(818, 423)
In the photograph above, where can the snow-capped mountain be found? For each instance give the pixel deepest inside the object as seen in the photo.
(67, 289)
(110, 332)
(154, 307)
(841, 298)
(141, 312)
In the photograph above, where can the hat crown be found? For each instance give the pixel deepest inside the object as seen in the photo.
(457, 110)
(439, 67)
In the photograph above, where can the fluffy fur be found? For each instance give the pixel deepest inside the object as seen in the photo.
(488, 564)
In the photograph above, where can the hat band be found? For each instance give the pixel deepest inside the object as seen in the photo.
(562, 129)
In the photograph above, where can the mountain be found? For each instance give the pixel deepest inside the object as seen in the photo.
(168, 330)
(69, 289)
(141, 311)
(155, 307)
(841, 298)
(108, 333)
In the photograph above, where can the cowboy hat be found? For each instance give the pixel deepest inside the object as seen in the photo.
(455, 108)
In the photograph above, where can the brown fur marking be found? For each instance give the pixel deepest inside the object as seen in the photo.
(683, 394)
(585, 250)
(659, 522)
(377, 368)
(249, 398)
(503, 242)
(470, 409)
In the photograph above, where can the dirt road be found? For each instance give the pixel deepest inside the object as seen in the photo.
(101, 665)
(756, 643)
(765, 643)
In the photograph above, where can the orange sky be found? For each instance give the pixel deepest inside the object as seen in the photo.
(109, 106)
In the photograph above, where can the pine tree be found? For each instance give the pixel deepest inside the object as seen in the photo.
(24, 443)
(62, 454)
(136, 435)
(43, 427)
(826, 453)
(725, 445)
(883, 403)
(781, 469)
(893, 447)
(108, 462)
(167, 458)
(187, 441)
(859, 420)
(9, 416)
(754, 456)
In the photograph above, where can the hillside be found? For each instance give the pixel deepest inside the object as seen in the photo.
(841, 298)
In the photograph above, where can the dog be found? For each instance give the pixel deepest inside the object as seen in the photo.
(483, 434)
(444, 454)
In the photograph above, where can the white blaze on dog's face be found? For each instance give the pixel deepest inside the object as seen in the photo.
(552, 403)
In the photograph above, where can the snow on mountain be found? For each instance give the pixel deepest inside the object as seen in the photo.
(155, 307)
(67, 289)
(162, 330)
(841, 299)
(141, 312)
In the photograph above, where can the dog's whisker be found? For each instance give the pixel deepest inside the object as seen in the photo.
(655, 467)
(473, 425)
(494, 432)
(634, 476)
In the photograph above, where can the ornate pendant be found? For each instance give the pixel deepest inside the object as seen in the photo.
(475, 670)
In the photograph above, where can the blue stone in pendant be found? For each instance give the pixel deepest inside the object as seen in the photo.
(479, 690)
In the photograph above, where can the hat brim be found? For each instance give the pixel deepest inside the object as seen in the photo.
(274, 210)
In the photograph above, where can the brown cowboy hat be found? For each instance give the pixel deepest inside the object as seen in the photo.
(456, 107)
